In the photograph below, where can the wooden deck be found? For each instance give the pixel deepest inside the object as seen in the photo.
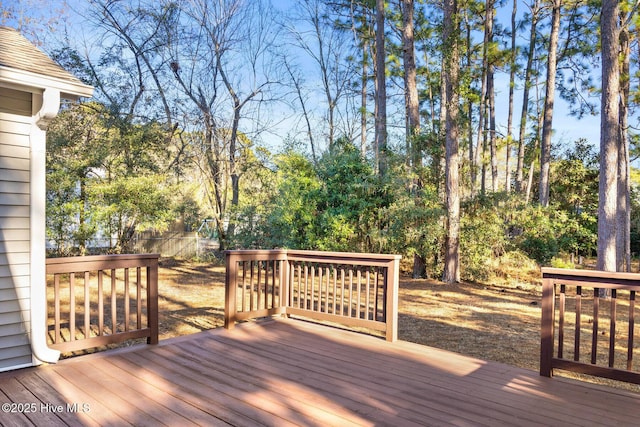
(290, 372)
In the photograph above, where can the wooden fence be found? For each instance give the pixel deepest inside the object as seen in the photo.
(594, 313)
(358, 290)
(95, 301)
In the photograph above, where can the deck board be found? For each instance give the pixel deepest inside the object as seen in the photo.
(291, 372)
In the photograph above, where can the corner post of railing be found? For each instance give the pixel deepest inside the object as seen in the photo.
(231, 276)
(152, 300)
(285, 278)
(547, 324)
(393, 280)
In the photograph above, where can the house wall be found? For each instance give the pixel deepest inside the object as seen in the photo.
(15, 277)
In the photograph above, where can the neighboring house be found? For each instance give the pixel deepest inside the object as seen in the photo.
(31, 87)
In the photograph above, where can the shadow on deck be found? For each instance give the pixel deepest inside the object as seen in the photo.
(291, 372)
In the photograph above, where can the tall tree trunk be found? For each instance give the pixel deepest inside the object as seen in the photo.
(512, 84)
(623, 241)
(479, 162)
(525, 97)
(451, 68)
(363, 98)
(413, 112)
(491, 94)
(381, 90)
(547, 126)
(609, 136)
(536, 139)
(473, 167)
(411, 87)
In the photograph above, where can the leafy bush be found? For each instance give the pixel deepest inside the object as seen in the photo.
(482, 238)
(542, 233)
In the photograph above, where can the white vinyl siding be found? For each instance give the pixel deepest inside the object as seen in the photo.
(15, 283)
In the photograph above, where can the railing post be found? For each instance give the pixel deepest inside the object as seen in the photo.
(231, 287)
(546, 332)
(285, 274)
(152, 301)
(393, 280)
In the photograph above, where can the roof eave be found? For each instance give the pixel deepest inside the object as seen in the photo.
(32, 82)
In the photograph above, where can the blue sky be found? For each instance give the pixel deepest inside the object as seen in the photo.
(566, 128)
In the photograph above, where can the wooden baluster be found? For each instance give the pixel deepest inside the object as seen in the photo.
(335, 289)
(100, 303)
(152, 303)
(561, 320)
(126, 300)
(273, 285)
(306, 287)
(576, 348)
(259, 285)
(359, 283)
(243, 294)
(138, 298)
(300, 286)
(350, 313)
(342, 291)
(594, 336)
(367, 303)
(376, 292)
(612, 328)
(114, 303)
(72, 307)
(326, 290)
(632, 304)
(252, 292)
(56, 304)
(87, 306)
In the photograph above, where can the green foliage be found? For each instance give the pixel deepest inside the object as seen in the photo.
(559, 262)
(129, 204)
(542, 233)
(293, 218)
(337, 205)
(416, 215)
(482, 238)
(349, 199)
(103, 179)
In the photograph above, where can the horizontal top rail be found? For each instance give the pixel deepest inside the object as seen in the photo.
(99, 262)
(604, 279)
(316, 256)
(351, 258)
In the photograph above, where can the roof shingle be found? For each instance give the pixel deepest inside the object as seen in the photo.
(19, 53)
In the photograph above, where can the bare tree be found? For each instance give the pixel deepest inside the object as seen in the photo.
(326, 45)
(221, 60)
(296, 80)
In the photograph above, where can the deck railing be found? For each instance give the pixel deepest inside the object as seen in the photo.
(594, 313)
(357, 290)
(95, 301)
